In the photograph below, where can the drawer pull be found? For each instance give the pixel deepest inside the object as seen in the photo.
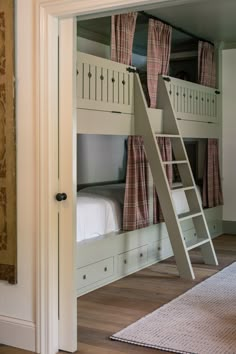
(105, 269)
(84, 276)
(159, 248)
(141, 254)
(125, 261)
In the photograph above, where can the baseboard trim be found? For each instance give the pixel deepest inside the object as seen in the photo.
(17, 333)
(229, 227)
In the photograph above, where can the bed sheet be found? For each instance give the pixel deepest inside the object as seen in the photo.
(97, 215)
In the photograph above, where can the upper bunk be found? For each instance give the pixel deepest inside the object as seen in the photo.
(106, 96)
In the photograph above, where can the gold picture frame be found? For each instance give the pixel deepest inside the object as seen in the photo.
(8, 228)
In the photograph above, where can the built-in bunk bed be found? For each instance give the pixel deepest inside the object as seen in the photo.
(105, 105)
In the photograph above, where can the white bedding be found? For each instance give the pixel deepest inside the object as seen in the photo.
(180, 200)
(99, 209)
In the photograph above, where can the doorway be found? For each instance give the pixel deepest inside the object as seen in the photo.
(55, 294)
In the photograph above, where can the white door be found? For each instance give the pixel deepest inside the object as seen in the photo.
(67, 304)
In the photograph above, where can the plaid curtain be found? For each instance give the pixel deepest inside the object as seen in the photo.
(158, 55)
(206, 64)
(166, 154)
(135, 214)
(122, 36)
(212, 191)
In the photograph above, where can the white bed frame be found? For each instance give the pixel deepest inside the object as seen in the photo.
(105, 105)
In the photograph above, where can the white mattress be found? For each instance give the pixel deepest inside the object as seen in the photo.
(99, 209)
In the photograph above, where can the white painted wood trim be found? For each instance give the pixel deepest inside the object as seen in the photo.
(69, 8)
(100, 122)
(47, 183)
(17, 333)
(67, 184)
(104, 85)
(107, 249)
(192, 101)
(119, 275)
(191, 129)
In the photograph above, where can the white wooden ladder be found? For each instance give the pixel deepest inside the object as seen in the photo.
(144, 127)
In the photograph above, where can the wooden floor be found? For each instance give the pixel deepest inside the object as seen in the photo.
(109, 309)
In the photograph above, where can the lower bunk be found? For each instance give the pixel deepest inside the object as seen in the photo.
(106, 254)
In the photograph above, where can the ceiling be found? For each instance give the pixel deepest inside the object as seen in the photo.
(213, 20)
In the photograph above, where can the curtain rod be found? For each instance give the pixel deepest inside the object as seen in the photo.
(175, 27)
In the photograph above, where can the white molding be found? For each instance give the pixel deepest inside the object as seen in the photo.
(47, 13)
(17, 333)
(67, 183)
(62, 8)
(47, 255)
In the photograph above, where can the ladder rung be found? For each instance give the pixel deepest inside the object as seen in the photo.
(188, 215)
(167, 135)
(183, 188)
(196, 243)
(175, 162)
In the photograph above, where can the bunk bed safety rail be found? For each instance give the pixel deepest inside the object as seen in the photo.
(192, 101)
(104, 85)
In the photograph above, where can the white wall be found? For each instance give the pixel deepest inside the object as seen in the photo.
(103, 51)
(100, 158)
(17, 302)
(229, 129)
(94, 48)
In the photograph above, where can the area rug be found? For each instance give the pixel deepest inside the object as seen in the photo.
(201, 321)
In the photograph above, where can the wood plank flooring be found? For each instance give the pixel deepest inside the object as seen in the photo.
(109, 309)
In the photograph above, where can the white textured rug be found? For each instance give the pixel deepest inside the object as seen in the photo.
(201, 321)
